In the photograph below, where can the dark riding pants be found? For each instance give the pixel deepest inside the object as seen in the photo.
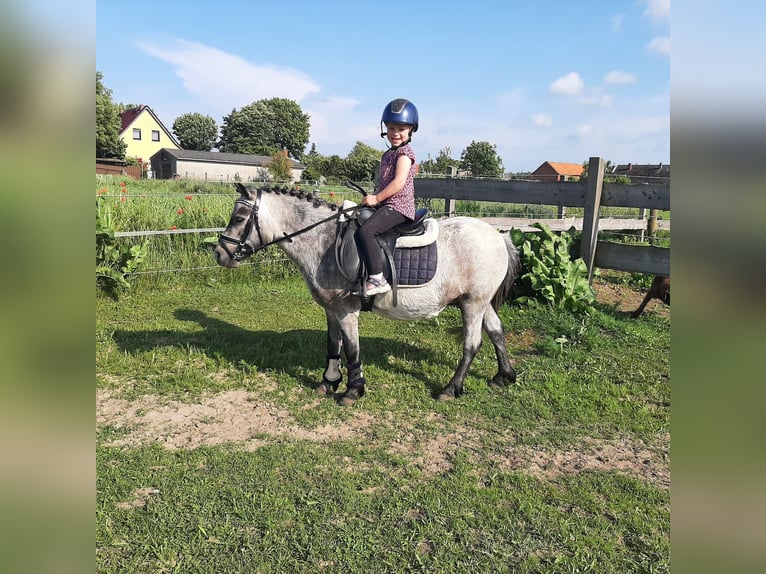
(382, 220)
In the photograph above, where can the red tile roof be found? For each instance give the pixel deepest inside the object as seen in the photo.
(566, 168)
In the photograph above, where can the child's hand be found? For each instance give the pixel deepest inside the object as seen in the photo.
(370, 200)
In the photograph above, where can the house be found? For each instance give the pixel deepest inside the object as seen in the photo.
(144, 133)
(658, 173)
(558, 171)
(215, 166)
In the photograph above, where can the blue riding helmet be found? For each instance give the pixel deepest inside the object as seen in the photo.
(400, 111)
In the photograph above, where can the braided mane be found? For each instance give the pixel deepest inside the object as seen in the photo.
(300, 196)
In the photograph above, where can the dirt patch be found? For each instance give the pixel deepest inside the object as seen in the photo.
(242, 418)
(624, 298)
(622, 456)
(236, 416)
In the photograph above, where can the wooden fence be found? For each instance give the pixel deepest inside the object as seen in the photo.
(111, 168)
(590, 195)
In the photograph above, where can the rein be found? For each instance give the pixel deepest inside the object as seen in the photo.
(243, 250)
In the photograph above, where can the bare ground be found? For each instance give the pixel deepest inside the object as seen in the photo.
(243, 418)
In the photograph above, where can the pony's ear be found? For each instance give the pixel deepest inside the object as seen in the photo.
(242, 189)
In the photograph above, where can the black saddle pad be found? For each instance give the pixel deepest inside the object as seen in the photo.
(415, 265)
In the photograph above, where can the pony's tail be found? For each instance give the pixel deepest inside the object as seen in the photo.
(514, 267)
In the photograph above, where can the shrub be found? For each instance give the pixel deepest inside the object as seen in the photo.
(550, 273)
(114, 262)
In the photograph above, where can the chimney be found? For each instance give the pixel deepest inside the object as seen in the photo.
(630, 166)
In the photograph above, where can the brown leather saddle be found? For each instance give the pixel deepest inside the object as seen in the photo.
(419, 257)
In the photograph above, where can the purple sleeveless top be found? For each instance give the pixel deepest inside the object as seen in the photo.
(404, 201)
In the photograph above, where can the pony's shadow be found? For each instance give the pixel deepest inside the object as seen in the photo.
(294, 353)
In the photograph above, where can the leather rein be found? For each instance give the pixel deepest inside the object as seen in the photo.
(243, 250)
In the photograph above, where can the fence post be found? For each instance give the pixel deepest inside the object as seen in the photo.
(651, 226)
(591, 214)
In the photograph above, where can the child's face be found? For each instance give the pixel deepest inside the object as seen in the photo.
(397, 134)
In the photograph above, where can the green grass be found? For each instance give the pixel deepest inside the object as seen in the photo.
(372, 501)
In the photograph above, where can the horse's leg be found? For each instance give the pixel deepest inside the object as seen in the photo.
(494, 328)
(349, 329)
(332, 375)
(472, 318)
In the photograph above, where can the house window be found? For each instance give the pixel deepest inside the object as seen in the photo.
(155, 135)
(136, 133)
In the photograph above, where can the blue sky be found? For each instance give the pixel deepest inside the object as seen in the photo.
(548, 80)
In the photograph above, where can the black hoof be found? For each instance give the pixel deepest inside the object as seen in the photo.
(327, 387)
(353, 393)
(448, 393)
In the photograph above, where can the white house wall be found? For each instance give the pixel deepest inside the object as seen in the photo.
(226, 172)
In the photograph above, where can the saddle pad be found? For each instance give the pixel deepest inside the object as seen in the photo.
(415, 266)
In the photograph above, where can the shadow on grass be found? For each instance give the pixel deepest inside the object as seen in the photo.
(291, 352)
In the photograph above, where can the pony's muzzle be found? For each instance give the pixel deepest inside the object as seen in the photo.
(223, 258)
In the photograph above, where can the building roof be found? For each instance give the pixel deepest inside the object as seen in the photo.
(563, 168)
(221, 157)
(643, 170)
(129, 116)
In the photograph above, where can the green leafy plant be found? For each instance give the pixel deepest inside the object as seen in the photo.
(551, 274)
(114, 261)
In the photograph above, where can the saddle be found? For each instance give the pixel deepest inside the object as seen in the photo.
(409, 250)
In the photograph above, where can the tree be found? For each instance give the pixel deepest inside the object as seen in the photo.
(265, 127)
(362, 162)
(312, 162)
(280, 166)
(443, 163)
(108, 124)
(481, 159)
(195, 131)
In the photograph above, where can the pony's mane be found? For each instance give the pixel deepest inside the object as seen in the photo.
(300, 196)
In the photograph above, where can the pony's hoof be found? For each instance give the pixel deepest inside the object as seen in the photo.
(352, 395)
(449, 394)
(327, 387)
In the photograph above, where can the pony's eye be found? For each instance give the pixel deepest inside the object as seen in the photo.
(238, 219)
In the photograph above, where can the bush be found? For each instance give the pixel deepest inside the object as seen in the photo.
(550, 273)
(114, 262)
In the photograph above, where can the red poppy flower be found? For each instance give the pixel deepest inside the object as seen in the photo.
(188, 197)
(173, 227)
(180, 211)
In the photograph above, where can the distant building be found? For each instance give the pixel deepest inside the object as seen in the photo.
(144, 133)
(215, 166)
(557, 171)
(658, 173)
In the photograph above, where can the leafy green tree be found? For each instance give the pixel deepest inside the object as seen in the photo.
(443, 163)
(195, 131)
(481, 159)
(265, 127)
(280, 166)
(334, 169)
(108, 124)
(362, 162)
(312, 162)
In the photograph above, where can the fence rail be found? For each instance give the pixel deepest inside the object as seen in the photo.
(590, 195)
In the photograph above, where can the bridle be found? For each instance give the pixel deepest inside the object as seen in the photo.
(243, 250)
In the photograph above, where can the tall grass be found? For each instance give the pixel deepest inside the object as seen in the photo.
(157, 205)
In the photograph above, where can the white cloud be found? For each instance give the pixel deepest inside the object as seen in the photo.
(660, 44)
(583, 130)
(617, 22)
(569, 85)
(542, 120)
(619, 77)
(228, 79)
(657, 9)
(603, 100)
